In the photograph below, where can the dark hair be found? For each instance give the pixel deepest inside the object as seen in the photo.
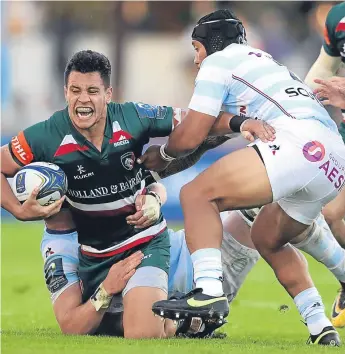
(88, 61)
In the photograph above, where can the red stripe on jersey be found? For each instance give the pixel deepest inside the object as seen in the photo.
(340, 27)
(120, 135)
(124, 248)
(69, 148)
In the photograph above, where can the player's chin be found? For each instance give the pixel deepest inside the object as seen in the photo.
(84, 122)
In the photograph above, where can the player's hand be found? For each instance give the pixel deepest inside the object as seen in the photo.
(152, 159)
(331, 92)
(31, 210)
(255, 128)
(148, 211)
(121, 272)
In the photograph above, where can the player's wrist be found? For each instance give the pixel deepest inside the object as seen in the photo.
(236, 123)
(101, 298)
(164, 155)
(155, 195)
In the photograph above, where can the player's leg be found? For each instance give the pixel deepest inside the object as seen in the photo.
(272, 230)
(148, 285)
(239, 255)
(319, 242)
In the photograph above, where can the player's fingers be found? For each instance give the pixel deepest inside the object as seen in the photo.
(142, 158)
(140, 221)
(320, 81)
(135, 217)
(129, 275)
(139, 201)
(269, 132)
(145, 224)
(33, 194)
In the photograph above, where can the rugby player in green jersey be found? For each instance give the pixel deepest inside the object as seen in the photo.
(96, 143)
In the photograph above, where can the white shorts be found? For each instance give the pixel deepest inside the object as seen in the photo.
(305, 165)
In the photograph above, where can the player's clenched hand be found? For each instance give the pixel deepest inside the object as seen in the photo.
(148, 211)
(152, 159)
(255, 128)
(332, 91)
(31, 210)
(121, 272)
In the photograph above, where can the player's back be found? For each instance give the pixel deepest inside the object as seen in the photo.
(258, 86)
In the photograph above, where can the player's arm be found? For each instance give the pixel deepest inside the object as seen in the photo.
(74, 317)
(334, 213)
(31, 209)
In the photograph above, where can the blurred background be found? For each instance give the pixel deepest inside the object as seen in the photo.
(149, 46)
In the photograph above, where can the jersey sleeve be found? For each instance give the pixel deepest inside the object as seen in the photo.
(329, 34)
(27, 146)
(157, 121)
(211, 87)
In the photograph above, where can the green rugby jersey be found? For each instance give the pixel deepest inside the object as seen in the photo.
(334, 32)
(102, 186)
(334, 40)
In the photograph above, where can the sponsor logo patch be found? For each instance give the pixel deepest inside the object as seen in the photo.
(314, 151)
(21, 149)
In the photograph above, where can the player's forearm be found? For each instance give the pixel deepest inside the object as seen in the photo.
(189, 134)
(8, 200)
(83, 319)
(324, 67)
(222, 125)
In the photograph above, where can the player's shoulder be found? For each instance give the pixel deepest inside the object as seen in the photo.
(336, 17)
(231, 56)
(142, 110)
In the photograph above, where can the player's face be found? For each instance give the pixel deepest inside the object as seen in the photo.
(87, 98)
(200, 53)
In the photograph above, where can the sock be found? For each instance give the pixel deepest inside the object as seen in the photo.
(311, 308)
(207, 263)
(321, 245)
(237, 260)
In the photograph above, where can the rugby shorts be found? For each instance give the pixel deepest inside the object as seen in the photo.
(305, 165)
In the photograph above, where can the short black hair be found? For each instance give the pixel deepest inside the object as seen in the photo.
(88, 61)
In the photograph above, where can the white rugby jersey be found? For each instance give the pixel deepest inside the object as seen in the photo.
(243, 80)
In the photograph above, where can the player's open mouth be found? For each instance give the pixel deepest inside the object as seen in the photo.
(84, 112)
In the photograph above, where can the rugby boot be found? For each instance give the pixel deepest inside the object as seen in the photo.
(194, 304)
(329, 336)
(338, 309)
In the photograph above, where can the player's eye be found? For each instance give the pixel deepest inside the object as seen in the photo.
(93, 91)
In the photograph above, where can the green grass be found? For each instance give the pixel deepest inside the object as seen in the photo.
(255, 323)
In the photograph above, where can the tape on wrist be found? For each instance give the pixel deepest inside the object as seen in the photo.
(165, 156)
(100, 298)
(236, 123)
(154, 194)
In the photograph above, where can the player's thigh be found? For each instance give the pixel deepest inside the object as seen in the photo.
(273, 228)
(235, 181)
(138, 318)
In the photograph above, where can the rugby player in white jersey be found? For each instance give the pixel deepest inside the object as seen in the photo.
(293, 178)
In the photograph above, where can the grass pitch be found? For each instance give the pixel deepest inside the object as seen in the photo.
(256, 322)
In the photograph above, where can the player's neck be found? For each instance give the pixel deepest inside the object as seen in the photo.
(95, 134)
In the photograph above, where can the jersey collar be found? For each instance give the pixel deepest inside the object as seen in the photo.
(80, 139)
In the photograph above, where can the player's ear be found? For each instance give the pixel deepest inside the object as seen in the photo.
(108, 94)
(65, 92)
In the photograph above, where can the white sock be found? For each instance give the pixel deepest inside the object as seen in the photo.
(321, 245)
(207, 263)
(310, 306)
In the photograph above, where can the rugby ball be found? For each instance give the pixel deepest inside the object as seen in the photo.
(48, 177)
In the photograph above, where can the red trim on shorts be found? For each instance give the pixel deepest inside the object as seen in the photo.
(124, 248)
